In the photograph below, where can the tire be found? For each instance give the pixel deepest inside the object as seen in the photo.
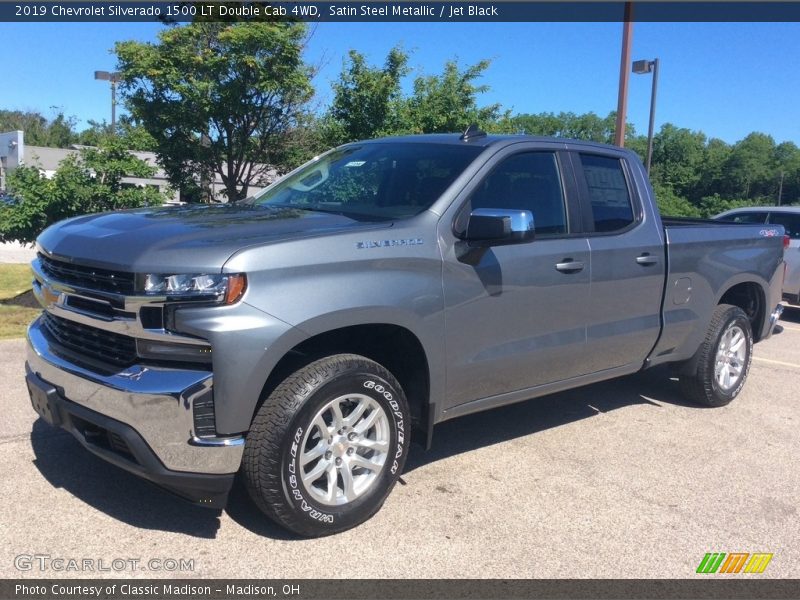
(717, 372)
(299, 451)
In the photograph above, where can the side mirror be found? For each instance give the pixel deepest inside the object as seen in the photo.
(499, 226)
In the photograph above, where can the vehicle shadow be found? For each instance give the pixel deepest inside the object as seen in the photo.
(244, 512)
(525, 418)
(127, 498)
(480, 430)
(65, 464)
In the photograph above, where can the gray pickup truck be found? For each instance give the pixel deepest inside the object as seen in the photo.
(304, 336)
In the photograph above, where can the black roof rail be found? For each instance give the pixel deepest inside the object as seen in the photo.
(473, 131)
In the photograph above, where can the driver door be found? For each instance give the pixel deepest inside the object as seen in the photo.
(516, 315)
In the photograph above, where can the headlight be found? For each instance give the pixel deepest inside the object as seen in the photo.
(225, 288)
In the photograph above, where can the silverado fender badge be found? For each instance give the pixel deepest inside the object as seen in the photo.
(388, 243)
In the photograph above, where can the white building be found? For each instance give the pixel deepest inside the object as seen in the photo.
(14, 152)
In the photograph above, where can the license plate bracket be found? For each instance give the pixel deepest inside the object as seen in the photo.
(43, 399)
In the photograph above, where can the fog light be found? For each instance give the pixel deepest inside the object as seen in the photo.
(157, 350)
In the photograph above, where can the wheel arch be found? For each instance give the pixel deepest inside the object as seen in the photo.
(396, 347)
(751, 297)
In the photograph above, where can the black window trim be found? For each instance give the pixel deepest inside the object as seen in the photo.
(583, 196)
(569, 191)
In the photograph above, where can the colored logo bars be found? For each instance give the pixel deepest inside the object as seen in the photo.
(735, 562)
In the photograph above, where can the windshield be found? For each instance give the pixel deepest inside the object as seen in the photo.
(375, 181)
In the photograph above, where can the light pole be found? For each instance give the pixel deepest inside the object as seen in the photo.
(642, 67)
(113, 77)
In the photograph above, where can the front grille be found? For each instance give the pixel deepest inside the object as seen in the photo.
(91, 278)
(105, 346)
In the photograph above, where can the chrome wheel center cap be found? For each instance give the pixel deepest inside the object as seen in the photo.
(340, 446)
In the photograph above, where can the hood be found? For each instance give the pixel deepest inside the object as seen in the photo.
(183, 238)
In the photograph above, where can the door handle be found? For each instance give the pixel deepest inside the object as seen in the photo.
(569, 266)
(646, 259)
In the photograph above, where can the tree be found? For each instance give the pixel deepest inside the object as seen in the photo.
(677, 156)
(713, 205)
(787, 172)
(588, 126)
(712, 169)
(750, 166)
(91, 180)
(448, 102)
(39, 130)
(367, 100)
(672, 205)
(217, 97)
(133, 135)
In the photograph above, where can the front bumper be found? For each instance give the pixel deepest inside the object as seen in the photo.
(139, 419)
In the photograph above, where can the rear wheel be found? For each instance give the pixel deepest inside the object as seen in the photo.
(327, 446)
(717, 372)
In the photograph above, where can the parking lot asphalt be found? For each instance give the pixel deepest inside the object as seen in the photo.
(621, 479)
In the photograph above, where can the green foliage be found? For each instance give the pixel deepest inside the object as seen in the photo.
(750, 166)
(672, 205)
(367, 100)
(132, 135)
(713, 205)
(39, 130)
(588, 126)
(677, 158)
(218, 97)
(89, 181)
(448, 102)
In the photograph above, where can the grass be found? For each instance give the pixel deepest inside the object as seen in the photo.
(14, 320)
(14, 280)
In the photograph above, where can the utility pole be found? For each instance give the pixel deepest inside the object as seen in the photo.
(624, 75)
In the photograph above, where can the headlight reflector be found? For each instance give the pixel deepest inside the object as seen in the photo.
(228, 288)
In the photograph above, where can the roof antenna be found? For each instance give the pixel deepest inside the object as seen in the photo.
(473, 131)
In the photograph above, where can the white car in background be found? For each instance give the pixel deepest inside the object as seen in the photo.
(789, 217)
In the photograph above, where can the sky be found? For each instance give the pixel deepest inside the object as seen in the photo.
(725, 79)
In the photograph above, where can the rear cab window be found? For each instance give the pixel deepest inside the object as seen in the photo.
(607, 193)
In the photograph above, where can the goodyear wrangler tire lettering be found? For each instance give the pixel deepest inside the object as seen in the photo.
(327, 446)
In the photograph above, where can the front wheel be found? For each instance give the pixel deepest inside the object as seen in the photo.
(327, 446)
(719, 368)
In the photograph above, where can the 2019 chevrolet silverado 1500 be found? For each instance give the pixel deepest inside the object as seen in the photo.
(304, 336)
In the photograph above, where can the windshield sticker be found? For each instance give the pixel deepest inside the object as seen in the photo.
(355, 163)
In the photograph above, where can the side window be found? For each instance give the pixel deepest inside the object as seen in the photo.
(790, 222)
(608, 192)
(748, 217)
(528, 181)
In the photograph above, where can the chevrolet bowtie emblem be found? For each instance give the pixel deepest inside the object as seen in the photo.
(49, 295)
